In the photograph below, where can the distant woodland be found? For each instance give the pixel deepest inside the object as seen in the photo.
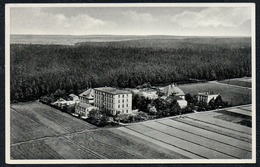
(38, 70)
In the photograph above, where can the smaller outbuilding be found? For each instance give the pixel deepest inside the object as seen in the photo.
(148, 93)
(87, 96)
(171, 90)
(82, 110)
(182, 103)
(206, 96)
(61, 103)
(73, 97)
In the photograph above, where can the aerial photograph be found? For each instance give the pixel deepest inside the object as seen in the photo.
(94, 83)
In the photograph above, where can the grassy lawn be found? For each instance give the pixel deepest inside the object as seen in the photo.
(238, 82)
(234, 95)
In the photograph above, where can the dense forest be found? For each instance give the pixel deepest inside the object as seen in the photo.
(38, 70)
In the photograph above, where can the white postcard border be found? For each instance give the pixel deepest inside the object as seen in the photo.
(126, 161)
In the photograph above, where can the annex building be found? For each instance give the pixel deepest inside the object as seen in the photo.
(206, 96)
(113, 100)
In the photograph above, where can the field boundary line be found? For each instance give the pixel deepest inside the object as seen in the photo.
(57, 136)
(203, 128)
(66, 130)
(216, 82)
(244, 109)
(186, 115)
(166, 142)
(202, 136)
(218, 125)
(86, 148)
(191, 141)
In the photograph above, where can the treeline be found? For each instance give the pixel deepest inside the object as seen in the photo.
(38, 70)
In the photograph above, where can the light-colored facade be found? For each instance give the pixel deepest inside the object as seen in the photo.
(182, 103)
(87, 96)
(148, 93)
(62, 104)
(82, 110)
(206, 97)
(113, 100)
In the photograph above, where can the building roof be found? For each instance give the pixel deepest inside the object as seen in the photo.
(172, 89)
(112, 90)
(85, 105)
(73, 95)
(60, 100)
(89, 94)
(148, 90)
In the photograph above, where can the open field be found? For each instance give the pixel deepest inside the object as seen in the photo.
(244, 82)
(41, 132)
(198, 135)
(234, 95)
(35, 120)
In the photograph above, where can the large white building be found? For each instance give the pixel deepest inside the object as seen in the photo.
(113, 100)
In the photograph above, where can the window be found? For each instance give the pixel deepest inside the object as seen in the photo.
(118, 96)
(123, 101)
(123, 96)
(126, 111)
(118, 106)
(126, 105)
(123, 105)
(118, 101)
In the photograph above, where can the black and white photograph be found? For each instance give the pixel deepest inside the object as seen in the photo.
(130, 83)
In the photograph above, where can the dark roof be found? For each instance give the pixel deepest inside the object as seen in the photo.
(172, 89)
(88, 93)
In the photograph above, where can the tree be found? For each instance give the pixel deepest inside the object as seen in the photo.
(219, 103)
(98, 117)
(123, 64)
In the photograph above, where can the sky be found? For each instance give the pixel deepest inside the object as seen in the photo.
(180, 21)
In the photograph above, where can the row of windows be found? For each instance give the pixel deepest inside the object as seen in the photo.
(126, 111)
(104, 94)
(100, 103)
(123, 96)
(106, 99)
(123, 100)
(110, 95)
(111, 100)
(122, 105)
(81, 109)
